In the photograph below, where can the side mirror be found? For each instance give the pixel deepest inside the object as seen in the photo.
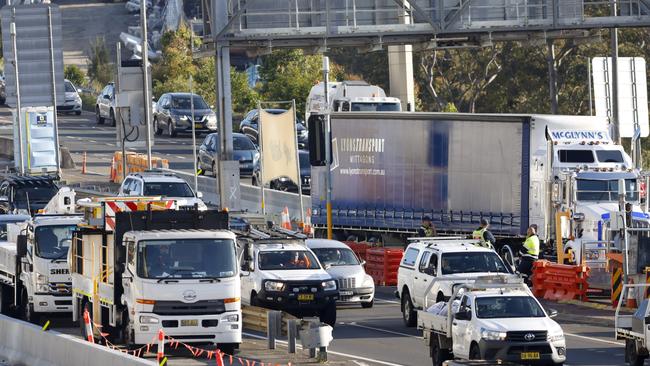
(328, 266)
(464, 315)
(199, 194)
(552, 313)
(79, 91)
(363, 263)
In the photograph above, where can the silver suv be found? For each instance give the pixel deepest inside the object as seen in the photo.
(167, 185)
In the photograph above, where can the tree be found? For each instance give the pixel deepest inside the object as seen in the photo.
(74, 74)
(100, 69)
(243, 97)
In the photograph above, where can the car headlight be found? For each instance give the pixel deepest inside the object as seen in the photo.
(146, 319)
(368, 281)
(492, 335)
(556, 337)
(273, 286)
(212, 120)
(232, 318)
(329, 285)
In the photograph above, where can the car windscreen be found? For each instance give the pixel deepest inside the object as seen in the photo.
(53, 241)
(471, 262)
(186, 258)
(242, 143)
(69, 88)
(372, 107)
(184, 102)
(168, 189)
(336, 256)
(609, 156)
(508, 307)
(25, 197)
(287, 259)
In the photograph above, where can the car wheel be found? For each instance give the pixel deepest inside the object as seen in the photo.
(474, 352)
(328, 315)
(409, 314)
(113, 121)
(438, 355)
(632, 353)
(98, 116)
(228, 348)
(214, 169)
(368, 305)
(171, 131)
(156, 128)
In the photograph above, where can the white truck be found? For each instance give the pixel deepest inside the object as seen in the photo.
(432, 267)
(34, 275)
(492, 319)
(137, 269)
(349, 96)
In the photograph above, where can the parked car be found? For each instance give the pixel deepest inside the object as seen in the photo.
(244, 151)
(154, 183)
(286, 184)
(72, 102)
(173, 114)
(105, 106)
(26, 194)
(3, 90)
(249, 126)
(355, 286)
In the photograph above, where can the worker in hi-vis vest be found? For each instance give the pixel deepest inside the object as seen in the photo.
(529, 252)
(485, 237)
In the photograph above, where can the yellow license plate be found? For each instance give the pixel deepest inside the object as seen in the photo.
(305, 297)
(530, 355)
(198, 125)
(189, 323)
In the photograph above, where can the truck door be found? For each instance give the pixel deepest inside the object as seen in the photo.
(460, 329)
(127, 276)
(421, 280)
(247, 274)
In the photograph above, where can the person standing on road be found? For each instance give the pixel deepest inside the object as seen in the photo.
(485, 237)
(530, 252)
(427, 230)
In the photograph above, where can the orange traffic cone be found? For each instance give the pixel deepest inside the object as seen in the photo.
(83, 164)
(631, 297)
(286, 219)
(307, 228)
(113, 173)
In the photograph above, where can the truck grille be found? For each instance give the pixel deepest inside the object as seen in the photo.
(346, 283)
(60, 288)
(303, 287)
(523, 336)
(203, 307)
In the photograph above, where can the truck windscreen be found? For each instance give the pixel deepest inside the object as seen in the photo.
(508, 307)
(53, 241)
(186, 258)
(472, 262)
(605, 190)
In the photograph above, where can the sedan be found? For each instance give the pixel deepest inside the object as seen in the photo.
(173, 114)
(249, 126)
(244, 151)
(72, 102)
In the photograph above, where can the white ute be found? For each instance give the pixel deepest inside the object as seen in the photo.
(493, 318)
(431, 267)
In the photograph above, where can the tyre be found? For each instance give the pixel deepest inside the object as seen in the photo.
(5, 299)
(438, 355)
(228, 348)
(28, 313)
(127, 334)
(632, 354)
(78, 113)
(474, 352)
(368, 305)
(82, 325)
(328, 315)
(171, 131)
(409, 315)
(156, 128)
(98, 116)
(113, 120)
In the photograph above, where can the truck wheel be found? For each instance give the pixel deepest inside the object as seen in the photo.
(228, 348)
(328, 315)
(368, 305)
(4, 300)
(28, 313)
(632, 354)
(438, 355)
(474, 352)
(408, 312)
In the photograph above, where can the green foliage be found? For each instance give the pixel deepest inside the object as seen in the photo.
(74, 74)
(100, 69)
(243, 97)
(88, 102)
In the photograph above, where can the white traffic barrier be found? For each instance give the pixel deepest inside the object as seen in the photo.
(26, 344)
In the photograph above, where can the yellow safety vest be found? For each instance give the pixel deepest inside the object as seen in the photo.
(478, 234)
(428, 231)
(532, 245)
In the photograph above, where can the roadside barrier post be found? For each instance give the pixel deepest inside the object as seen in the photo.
(89, 328)
(161, 346)
(273, 324)
(291, 335)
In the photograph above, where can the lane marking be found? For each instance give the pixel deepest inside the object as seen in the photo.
(284, 343)
(388, 301)
(180, 157)
(354, 324)
(594, 339)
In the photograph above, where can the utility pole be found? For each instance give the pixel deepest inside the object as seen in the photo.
(328, 148)
(21, 148)
(145, 76)
(616, 136)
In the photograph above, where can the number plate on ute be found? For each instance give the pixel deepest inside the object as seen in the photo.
(346, 293)
(530, 355)
(198, 125)
(189, 323)
(305, 297)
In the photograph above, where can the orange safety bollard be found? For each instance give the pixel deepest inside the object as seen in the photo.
(88, 327)
(307, 228)
(83, 164)
(286, 219)
(161, 346)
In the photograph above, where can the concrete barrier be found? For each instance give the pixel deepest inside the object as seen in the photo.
(26, 344)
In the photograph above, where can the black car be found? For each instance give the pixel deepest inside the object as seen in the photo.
(249, 126)
(244, 151)
(26, 194)
(286, 184)
(173, 114)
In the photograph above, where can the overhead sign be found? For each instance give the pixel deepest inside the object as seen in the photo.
(579, 135)
(632, 93)
(33, 44)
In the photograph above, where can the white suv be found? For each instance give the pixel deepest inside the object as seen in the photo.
(430, 267)
(167, 185)
(286, 275)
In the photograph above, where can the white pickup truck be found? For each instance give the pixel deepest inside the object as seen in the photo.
(493, 318)
(634, 328)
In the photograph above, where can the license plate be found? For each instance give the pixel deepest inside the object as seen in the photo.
(346, 293)
(198, 125)
(530, 355)
(189, 323)
(305, 297)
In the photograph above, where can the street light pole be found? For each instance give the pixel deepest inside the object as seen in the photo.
(328, 148)
(145, 76)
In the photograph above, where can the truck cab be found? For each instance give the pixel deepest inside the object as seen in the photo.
(431, 268)
(286, 275)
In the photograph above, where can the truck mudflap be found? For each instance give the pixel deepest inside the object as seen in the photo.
(529, 352)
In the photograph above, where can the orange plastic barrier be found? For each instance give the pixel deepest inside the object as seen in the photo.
(134, 163)
(358, 248)
(382, 265)
(553, 281)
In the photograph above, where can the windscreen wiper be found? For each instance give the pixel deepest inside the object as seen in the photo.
(176, 270)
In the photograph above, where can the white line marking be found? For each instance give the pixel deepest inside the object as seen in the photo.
(354, 324)
(284, 343)
(180, 157)
(594, 339)
(387, 301)
(93, 141)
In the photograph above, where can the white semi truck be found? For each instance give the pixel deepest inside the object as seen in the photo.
(34, 275)
(137, 269)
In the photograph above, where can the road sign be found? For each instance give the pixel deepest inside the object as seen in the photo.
(632, 93)
(34, 58)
